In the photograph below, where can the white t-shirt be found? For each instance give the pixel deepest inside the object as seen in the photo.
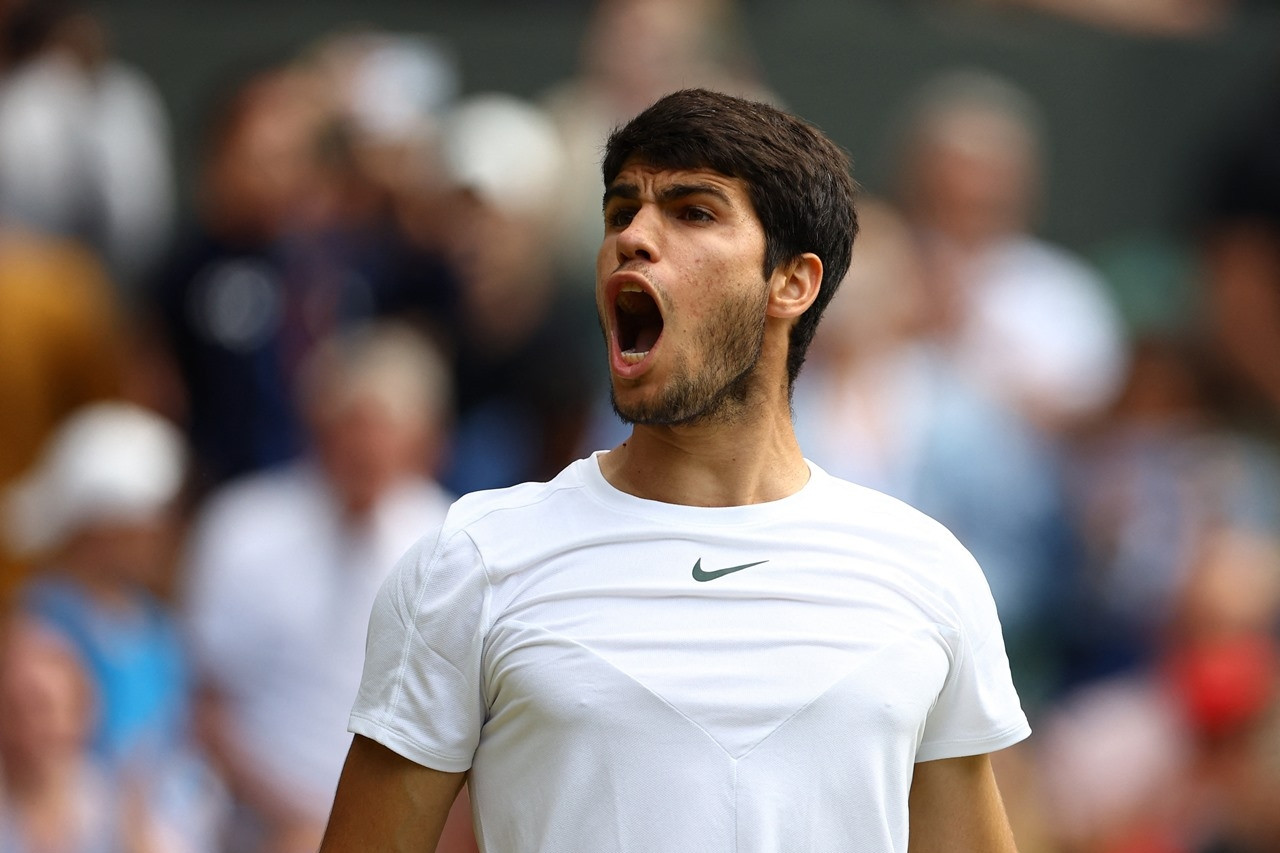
(621, 674)
(1041, 330)
(278, 599)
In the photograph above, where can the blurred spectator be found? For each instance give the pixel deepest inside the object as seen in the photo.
(61, 346)
(222, 299)
(1240, 247)
(1179, 754)
(1152, 485)
(283, 569)
(84, 139)
(1117, 760)
(292, 245)
(389, 90)
(1028, 321)
(526, 342)
(634, 52)
(878, 404)
(386, 93)
(53, 796)
(98, 506)
(1220, 649)
(1247, 772)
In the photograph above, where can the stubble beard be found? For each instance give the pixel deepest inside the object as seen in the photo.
(722, 390)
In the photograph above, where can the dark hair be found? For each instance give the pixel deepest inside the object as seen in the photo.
(31, 25)
(797, 179)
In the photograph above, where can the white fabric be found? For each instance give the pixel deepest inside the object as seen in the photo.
(109, 462)
(280, 593)
(84, 148)
(552, 638)
(1042, 328)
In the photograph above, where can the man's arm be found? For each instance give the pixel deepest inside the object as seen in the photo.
(386, 802)
(955, 807)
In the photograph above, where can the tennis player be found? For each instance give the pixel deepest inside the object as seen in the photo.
(698, 640)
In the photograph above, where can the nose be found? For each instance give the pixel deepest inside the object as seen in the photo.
(638, 240)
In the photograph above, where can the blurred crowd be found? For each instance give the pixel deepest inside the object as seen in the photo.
(379, 296)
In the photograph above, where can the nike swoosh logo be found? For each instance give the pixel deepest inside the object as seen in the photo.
(700, 575)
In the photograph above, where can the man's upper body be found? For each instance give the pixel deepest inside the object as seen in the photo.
(284, 565)
(580, 648)
(277, 607)
(629, 674)
(1027, 321)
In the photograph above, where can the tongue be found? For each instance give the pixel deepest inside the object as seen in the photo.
(645, 339)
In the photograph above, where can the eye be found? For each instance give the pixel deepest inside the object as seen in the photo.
(697, 214)
(619, 217)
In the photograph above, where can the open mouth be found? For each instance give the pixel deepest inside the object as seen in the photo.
(639, 324)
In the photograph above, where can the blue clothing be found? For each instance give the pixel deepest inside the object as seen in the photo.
(135, 658)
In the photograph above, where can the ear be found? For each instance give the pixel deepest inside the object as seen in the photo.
(794, 285)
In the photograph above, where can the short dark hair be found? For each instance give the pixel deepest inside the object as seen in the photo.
(797, 179)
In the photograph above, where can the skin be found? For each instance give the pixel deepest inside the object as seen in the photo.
(691, 239)
(388, 803)
(47, 705)
(712, 381)
(1244, 305)
(955, 807)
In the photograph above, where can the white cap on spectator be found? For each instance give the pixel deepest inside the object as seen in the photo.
(505, 150)
(108, 462)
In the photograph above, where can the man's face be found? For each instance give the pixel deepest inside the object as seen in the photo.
(680, 293)
(367, 446)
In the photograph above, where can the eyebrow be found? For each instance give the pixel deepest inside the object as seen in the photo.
(668, 193)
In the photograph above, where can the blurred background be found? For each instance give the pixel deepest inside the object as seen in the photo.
(277, 280)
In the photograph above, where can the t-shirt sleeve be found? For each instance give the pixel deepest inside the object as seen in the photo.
(421, 692)
(978, 709)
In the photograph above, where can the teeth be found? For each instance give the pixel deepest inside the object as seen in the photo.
(639, 321)
(629, 302)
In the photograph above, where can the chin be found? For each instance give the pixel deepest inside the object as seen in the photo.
(631, 406)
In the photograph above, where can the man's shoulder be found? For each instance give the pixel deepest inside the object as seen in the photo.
(852, 503)
(905, 536)
(512, 505)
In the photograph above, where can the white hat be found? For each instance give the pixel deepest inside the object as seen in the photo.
(108, 462)
(506, 150)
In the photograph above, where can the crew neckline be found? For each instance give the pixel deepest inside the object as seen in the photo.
(611, 496)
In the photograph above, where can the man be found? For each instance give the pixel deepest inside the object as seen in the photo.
(697, 640)
(1030, 323)
(284, 566)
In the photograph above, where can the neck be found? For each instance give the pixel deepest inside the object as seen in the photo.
(752, 459)
(102, 583)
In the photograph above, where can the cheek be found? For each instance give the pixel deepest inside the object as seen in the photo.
(718, 283)
(605, 264)
(606, 256)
